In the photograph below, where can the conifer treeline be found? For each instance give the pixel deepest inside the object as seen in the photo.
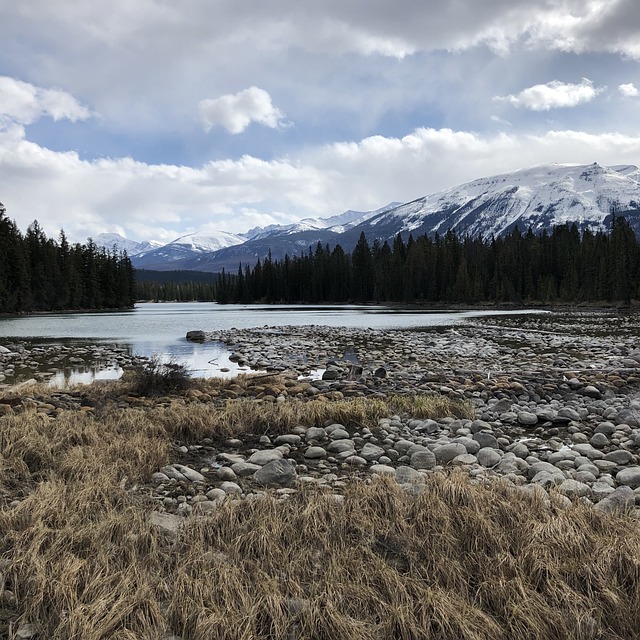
(41, 274)
(561, 266)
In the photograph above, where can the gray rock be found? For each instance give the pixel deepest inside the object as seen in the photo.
(629, 477)
(472, 446)
(340, 446)
(407, 475)
(423, 460)
(519, 449)
(190, 474)
(339, 434)
(355, 461)
(315, 433)
(263, 457)
(622, 499)
(216, 494)
(527, 418)
(488, 457)
(231, 487)
(243, 469)
(548, 479)
(629, 416)
(315, 453)
(607, 428)
(599, 440)
(485, 440)
(447, 452)
(277, 472)
(226, 473)
(465, 459)
(619, 457)
(166, 522)
(371, 452)
(382, 469)
(567, 413)
(574, 489)
(288, 438)
(601, 490)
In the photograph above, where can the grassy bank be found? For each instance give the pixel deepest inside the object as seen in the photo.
(81, 559)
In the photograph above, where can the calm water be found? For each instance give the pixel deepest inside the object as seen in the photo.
(160, 328)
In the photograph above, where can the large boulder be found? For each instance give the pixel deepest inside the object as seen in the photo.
(280, 472)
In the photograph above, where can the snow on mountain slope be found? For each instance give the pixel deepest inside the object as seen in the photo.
(132, 247)
(540, 197)
(205, 243)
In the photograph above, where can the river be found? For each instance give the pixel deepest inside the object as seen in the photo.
(160, 328)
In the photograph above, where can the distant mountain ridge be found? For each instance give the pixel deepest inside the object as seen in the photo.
(539, 197)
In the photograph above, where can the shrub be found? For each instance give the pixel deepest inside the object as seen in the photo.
(156, 378)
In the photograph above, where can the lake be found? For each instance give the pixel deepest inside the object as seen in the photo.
(160, 329)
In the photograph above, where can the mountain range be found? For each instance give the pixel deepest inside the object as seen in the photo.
(539, 198)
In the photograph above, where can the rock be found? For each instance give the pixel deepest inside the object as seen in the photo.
(340, 446)
(315, 433)
(371, 452)
(226, 473)
(548, 479)
(263, 457)
(288, 438)
(355, 461)
(315, 453)
(599, 440)
(601, 490)
(574, 489)
(607, 428)
(622, 499)
(231, 487)
(277, 472)
(331, 374)
(629, 477)
(407, 475)
(423, 460)
(447, 452)
(527, 418)
(592, 392)
(488, 457)
(568, 414)
(243, 469)
(629, 416)
(196, 336)
(190, 474)
(380, 372)
(339, 434)
(216, 494)
(382, 469)
(619, 457)
(166, 522)
(485, 440)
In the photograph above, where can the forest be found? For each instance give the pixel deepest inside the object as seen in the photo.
(41, 274)
(561, 266)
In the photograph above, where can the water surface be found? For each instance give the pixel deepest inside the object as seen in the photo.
(160, 329)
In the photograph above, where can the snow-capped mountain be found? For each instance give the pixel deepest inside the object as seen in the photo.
(132, 247)
(540, 197)
(185, 248)
(337, 224)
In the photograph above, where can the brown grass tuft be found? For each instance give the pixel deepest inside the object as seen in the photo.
(80, 559)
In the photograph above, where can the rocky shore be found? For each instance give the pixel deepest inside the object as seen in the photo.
(555, 411)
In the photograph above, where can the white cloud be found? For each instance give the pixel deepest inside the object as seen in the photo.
(24, 103)
(553, 95)
(235, 112)
(153, 201)
(629, 90)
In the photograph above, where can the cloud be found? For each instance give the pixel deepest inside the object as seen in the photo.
(163, 201)
(553, 95)
(24, 103)
(628, 90)
(235, 112)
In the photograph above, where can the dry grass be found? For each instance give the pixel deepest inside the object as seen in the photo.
(79, 558)
(233, 417)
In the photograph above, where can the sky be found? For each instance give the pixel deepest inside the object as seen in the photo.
(157, 118)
